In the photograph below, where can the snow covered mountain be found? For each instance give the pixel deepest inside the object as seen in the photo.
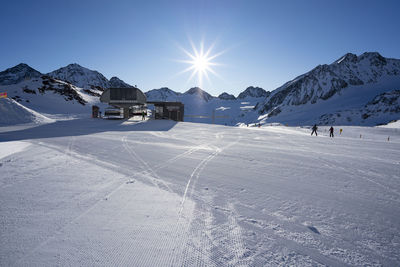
(162, 94)
(200, 106)
(116, 82)
(353, 90)
(80, 76)
(17, 74)
(198, 92)
(349, 83)
(45, 94)
(226, 96)
(86, 78)
(382, 109)
(253, 92)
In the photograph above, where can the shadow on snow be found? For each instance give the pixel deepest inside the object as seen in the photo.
(79, 127)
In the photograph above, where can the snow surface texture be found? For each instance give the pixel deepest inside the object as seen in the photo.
(13, 113)
(158, 193)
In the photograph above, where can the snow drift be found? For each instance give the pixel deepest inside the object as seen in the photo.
(14, 113)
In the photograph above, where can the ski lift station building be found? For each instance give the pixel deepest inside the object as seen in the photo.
(132, 101)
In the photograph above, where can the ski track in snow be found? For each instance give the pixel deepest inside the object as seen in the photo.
(199, 195)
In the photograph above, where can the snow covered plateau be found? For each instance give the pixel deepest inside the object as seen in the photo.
(86, 192)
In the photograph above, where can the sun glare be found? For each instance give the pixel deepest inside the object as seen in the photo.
(201, 62)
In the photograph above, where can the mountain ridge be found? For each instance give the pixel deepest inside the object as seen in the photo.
(322, 95)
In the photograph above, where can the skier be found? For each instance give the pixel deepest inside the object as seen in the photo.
(331, 132)
(143, 116)
(314, 130)
(341, 130)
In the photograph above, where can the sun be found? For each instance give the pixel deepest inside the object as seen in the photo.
(201, 62)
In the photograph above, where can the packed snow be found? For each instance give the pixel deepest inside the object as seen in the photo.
(86, 192)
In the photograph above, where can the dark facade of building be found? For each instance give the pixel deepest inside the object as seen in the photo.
(128, 102)
(123, 97)
(168, 110)
(128, 99)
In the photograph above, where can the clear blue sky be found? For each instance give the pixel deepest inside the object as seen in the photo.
(267, 42)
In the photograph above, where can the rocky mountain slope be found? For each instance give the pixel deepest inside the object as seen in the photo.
(382, 109)
(18, 74)
(253, 92)
(349, 83)
(85, 78)
(45, 94)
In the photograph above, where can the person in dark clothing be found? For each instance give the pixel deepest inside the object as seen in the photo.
(331, 132)
(314, 130)
(143, 116)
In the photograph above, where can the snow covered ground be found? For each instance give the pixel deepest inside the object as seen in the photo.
(159, 193)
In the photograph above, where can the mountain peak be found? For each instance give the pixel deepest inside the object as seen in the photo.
(199, 92)
(374, 57)
(17, 74)
(371, 55)
(76, 65)
(80, 76)
(117, 82)
(21, 67)
(162, 94)
(252, 91)
(226, 96)
(349, 57)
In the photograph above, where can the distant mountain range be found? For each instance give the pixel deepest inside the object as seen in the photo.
(360, 90)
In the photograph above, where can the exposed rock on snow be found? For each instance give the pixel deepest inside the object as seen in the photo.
(381, 110)
(14, 113)
(49, 95)
(65, 89)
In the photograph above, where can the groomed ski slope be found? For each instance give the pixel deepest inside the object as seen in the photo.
(90, 192)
